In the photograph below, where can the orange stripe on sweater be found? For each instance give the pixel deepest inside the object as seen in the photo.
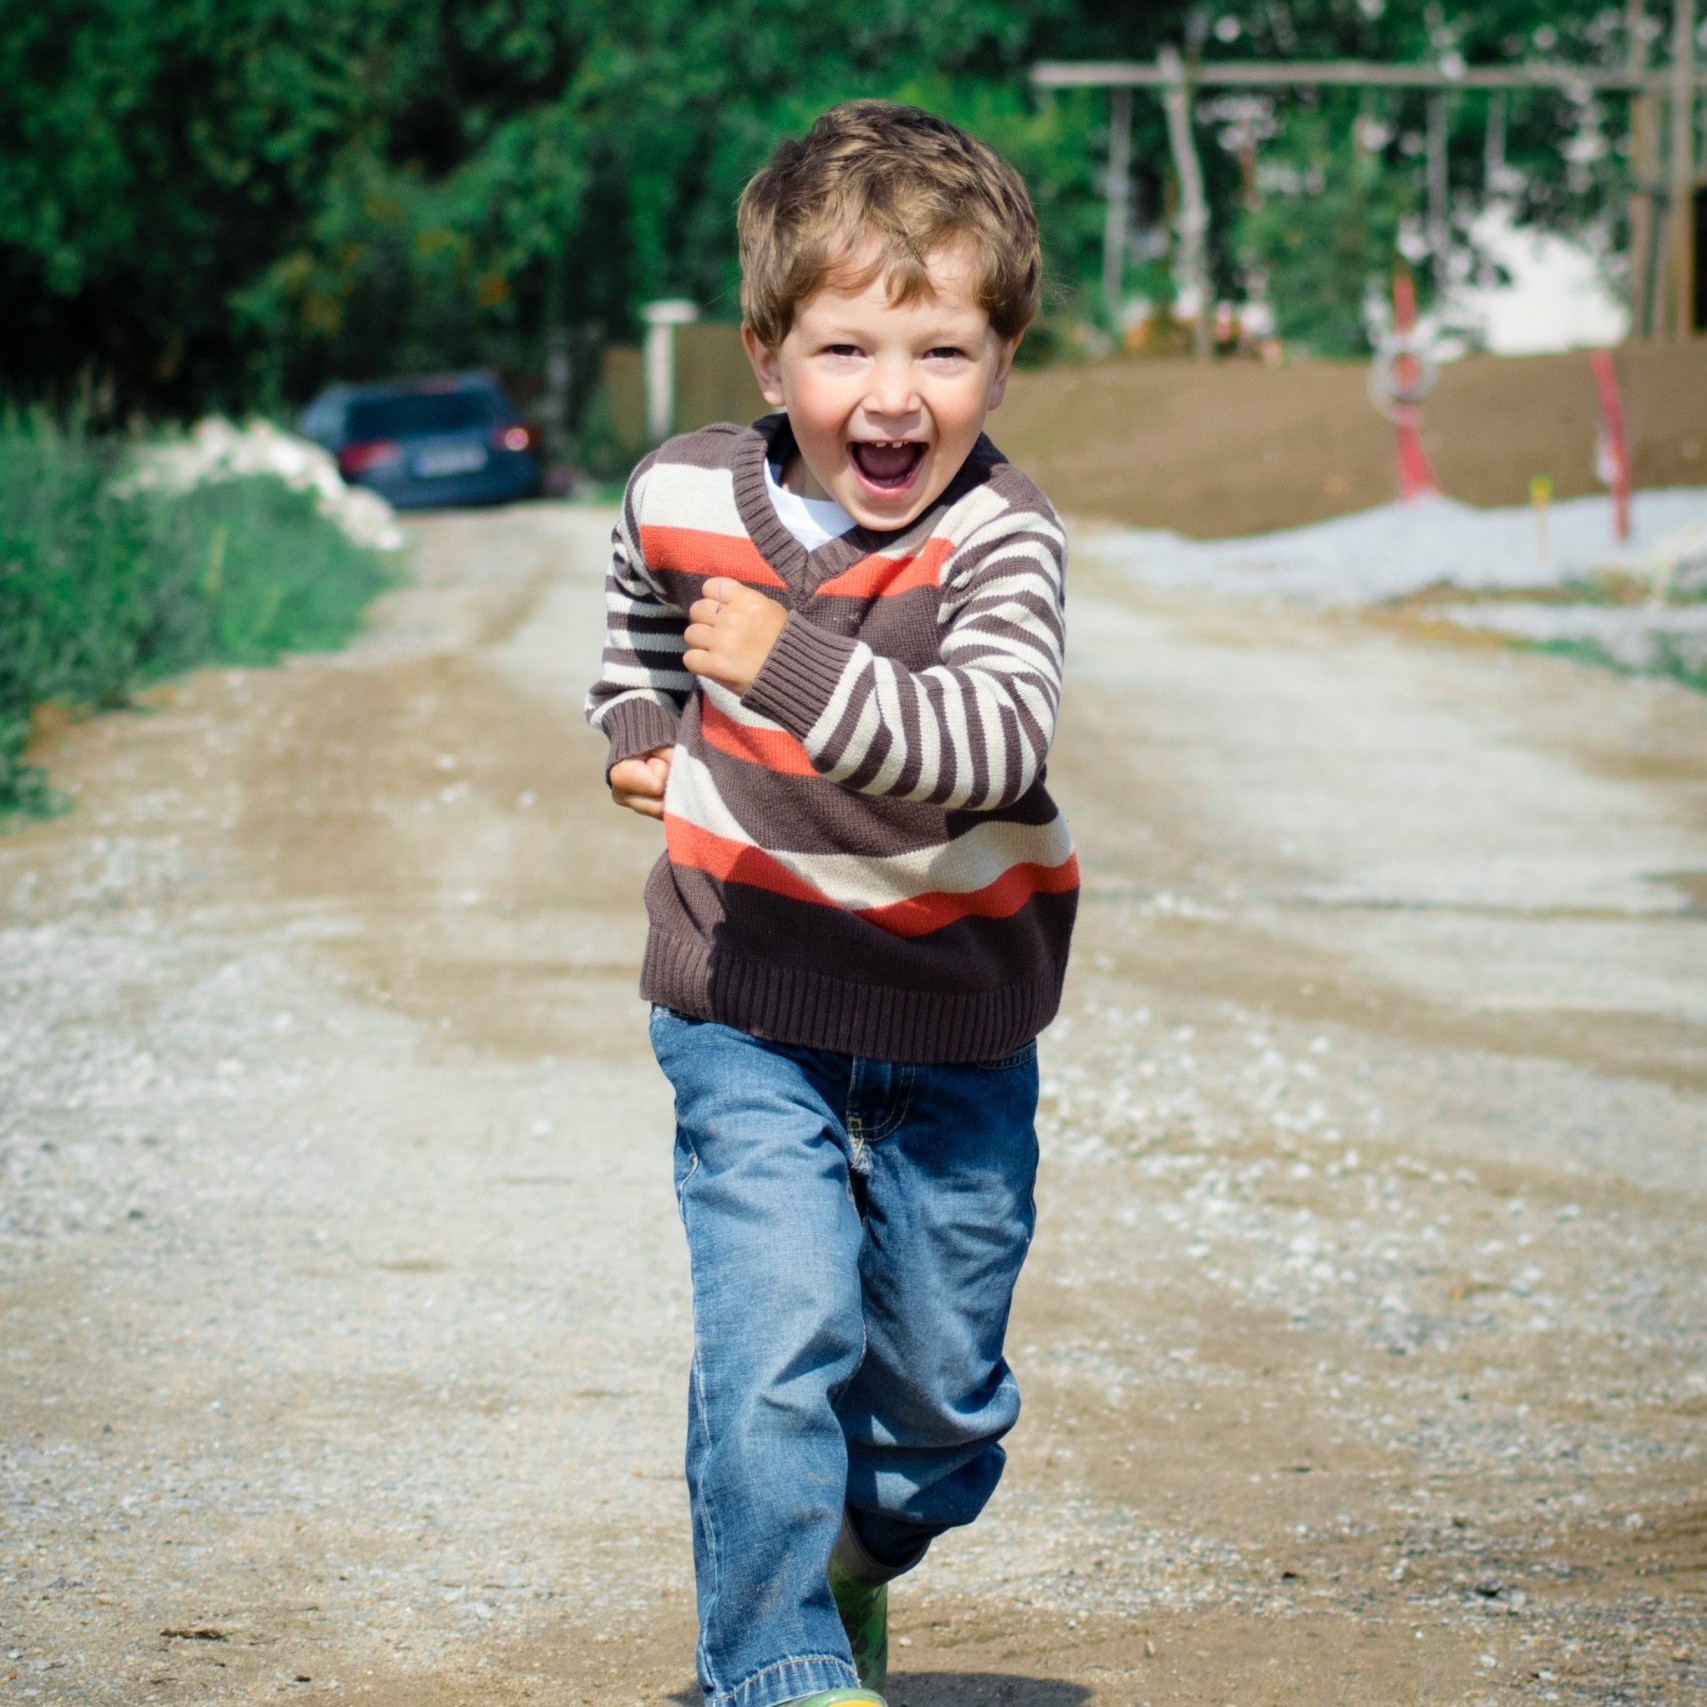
(696, 551)
(775, 749)
(999, 900)
(738, 862)
(735, 862)
(885, 577)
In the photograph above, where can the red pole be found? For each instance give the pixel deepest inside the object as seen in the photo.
(1417, 478)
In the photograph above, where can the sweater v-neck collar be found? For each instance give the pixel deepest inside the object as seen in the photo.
(770, 438)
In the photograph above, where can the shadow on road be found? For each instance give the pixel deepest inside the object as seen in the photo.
(978, 1688)
(962, 1689)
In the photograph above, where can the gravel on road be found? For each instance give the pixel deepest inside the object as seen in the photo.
(345, 1312)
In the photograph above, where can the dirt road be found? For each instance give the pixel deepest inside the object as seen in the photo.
(345, 1315)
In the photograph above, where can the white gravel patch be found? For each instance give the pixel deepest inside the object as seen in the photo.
(1398, 549)
(1640, 637)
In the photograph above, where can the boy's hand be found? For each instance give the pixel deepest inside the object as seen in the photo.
(638, 783)
(731, 630)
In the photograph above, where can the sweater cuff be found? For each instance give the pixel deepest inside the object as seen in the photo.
(796, 682)
(636, 726)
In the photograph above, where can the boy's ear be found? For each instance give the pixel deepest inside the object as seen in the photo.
(1004, 366)
(767, 370)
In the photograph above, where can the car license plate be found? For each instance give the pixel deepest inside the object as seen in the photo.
(453, 459)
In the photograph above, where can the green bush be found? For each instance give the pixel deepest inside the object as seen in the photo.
(600, 448)
(103, 588)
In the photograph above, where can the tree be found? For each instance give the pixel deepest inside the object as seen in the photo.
(1325, 237)
(225, 202)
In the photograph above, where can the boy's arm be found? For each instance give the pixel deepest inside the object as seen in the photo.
(642, 687)
(969, 733)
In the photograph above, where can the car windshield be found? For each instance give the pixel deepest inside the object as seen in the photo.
(413, 414)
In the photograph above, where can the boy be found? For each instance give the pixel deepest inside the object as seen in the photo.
(832, 670)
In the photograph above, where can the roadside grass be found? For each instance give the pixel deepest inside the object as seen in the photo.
(1667, 658)
(1604, 590)
(1669, 663)
(105, 589)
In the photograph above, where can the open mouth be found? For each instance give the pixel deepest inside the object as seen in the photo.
(889, 466)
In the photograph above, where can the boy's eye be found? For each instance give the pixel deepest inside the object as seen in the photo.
(947, 351)
(841, 349)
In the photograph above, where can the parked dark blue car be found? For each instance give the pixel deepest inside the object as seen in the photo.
(451, 440)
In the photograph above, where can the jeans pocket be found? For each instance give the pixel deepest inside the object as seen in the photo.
(1021, 1057)
(665, 1029)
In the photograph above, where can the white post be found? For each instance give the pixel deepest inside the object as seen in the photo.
(1439, 190)
(1644, 148)
(1493, 150)
(1116, 217)
(1194, 206)
(1682, 267)
(662, 319)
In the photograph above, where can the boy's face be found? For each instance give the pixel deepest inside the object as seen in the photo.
(886, 399)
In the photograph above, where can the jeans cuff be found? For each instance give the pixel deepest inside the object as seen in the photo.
(787, 1680)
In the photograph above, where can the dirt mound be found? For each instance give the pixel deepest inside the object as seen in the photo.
(1236, 448)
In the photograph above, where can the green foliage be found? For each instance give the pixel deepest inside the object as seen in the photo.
(1667, 658)
(245, 570)
(1325, 237)
(103, 589)
(222, 203)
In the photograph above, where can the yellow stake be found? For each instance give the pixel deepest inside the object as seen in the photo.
(1541, 496)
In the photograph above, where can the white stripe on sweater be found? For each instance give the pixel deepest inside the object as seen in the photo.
(970, 862)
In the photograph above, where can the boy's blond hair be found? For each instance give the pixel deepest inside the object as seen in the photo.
(873, 190)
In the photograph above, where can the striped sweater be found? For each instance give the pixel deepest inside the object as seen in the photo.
(860, 853)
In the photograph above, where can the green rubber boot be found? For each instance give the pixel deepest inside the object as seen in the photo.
(865, 1616)
(838, 1698)
(864, 1606)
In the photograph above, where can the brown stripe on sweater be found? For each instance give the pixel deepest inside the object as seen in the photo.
(913, 766)
(978, 744)
(960, 958)
(709, 448)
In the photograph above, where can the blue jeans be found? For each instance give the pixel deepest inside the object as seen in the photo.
(855, 1229)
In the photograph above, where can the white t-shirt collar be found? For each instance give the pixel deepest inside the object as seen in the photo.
(812, 521)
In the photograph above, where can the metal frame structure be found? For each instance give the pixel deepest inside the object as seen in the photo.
(1346, 73)
(1661, 215)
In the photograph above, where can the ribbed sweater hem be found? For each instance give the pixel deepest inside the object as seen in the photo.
(813, 1010)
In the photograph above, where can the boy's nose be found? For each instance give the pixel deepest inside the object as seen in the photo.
(892, 396)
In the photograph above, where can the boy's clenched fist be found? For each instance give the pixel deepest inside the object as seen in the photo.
(639, 783)
(731, 630)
